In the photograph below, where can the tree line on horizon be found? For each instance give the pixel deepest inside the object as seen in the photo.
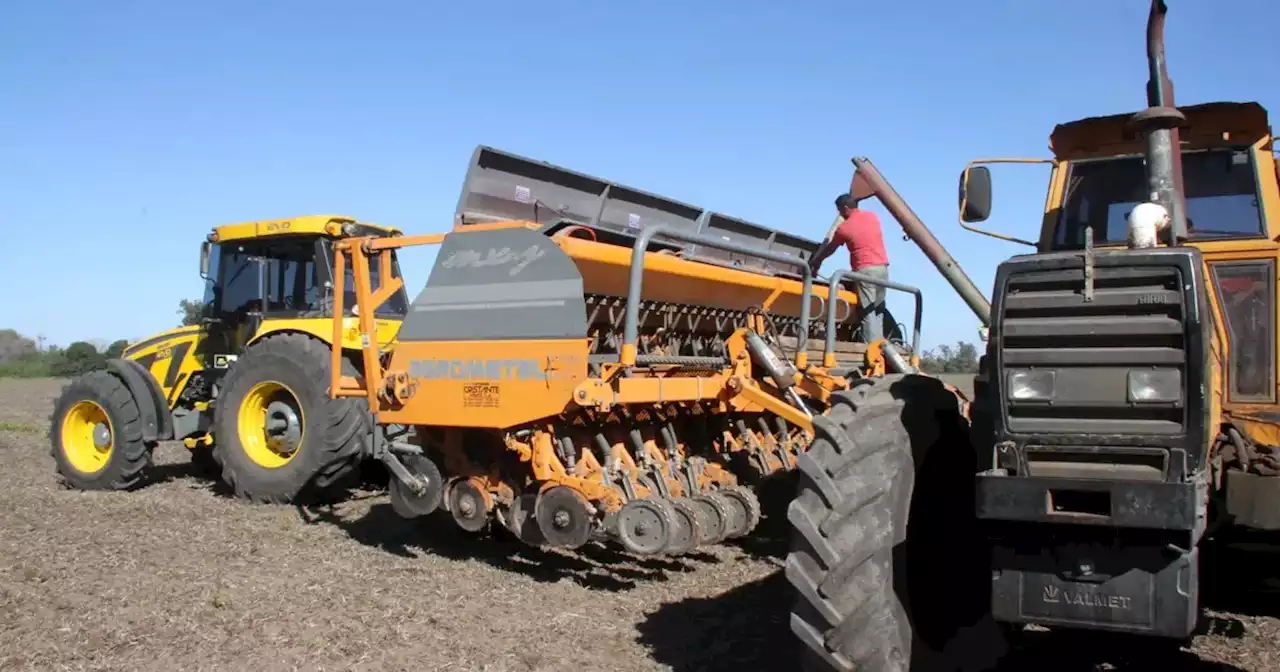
(24, 357)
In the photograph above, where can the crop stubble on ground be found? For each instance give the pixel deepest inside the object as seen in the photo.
(176, 576)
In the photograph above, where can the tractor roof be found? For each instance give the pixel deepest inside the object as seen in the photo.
(334, 226)
(1208, 125)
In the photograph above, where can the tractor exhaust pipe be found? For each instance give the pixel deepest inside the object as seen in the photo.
(1159, 124)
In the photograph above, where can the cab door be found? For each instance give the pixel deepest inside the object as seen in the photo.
(236, 307)
(1244, 285)
(1232, 213)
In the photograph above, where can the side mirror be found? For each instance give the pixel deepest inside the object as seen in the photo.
(204, 260)
(975, 194)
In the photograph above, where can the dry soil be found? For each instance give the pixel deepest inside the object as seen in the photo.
(177, 576)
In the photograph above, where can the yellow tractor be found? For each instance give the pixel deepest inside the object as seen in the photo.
(268, 306)
(1127, 407)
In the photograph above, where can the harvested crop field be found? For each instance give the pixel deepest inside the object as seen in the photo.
(176, 576)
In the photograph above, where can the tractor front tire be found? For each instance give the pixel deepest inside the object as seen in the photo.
(885, 559)
(95, 433)
(278, 437)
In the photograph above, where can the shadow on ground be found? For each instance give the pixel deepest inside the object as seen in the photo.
(1088, 651)
(1238, 575)
(593, 566)
(743, 629)
(204, 472)
(748, 628)
(203, 475)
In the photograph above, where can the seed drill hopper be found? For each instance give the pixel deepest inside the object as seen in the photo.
(591, 361)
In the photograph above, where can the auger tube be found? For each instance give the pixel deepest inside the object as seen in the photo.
(916, 230)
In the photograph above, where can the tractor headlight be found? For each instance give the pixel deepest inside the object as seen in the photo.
(1030, 385)
(1155, 385)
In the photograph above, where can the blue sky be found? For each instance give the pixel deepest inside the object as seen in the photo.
(129, 128)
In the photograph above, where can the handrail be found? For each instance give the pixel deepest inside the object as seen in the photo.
(828, 350)
(631, 326)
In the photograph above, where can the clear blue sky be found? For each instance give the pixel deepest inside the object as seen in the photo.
(129, 128)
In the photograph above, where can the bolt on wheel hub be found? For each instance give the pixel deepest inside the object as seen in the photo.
(101, 435)
(283, 428)
(271, 424)
(563, 517)
(645, 525)
(86, 437)
(466, 505)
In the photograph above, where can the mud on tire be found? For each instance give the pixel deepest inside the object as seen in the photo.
(332, 429)
(885, 558)
(88, 398)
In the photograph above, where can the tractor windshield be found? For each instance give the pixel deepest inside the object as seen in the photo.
(395, 307)
(1221, 187)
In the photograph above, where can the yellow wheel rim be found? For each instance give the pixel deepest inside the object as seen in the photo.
(87, 437)
(270, 424)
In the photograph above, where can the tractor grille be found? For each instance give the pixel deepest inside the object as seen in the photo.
(1088, 349)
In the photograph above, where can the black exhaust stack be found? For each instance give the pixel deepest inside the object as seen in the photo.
(1159, 123)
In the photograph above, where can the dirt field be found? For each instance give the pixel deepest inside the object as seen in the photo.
(176, 577)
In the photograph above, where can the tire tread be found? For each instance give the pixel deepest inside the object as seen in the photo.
(850, 511)
(131, 454)
(338, 454)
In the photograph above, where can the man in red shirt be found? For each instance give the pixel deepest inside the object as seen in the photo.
(859, 232)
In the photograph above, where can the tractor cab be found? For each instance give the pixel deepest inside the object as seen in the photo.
(261, 278)
(1232, 209)
(268, 304)
(1100, 173)
(1230, 185)
(274, 275)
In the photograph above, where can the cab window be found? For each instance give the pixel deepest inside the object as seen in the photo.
(211, 280)
(293, 282)
(240, 280)
(1220, 185)
(396, 306)
(1246, 295)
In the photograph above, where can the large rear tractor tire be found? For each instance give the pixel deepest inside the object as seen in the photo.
(278, 437)
(95, 433)
(885, 557)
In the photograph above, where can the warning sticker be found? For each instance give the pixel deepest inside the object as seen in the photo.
(523, 194)
(480, 395)
(633, 220)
